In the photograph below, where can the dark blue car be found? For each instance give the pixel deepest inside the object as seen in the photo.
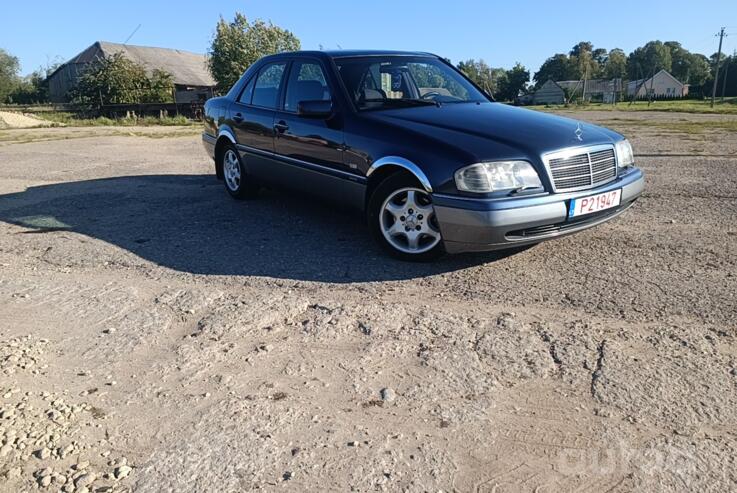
(436, 165)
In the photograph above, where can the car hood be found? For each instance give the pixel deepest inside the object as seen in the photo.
(515, 132)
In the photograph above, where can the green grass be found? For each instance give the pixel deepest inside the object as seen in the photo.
(70, 120)
(679, 127)
(728, 107)
(26, 136)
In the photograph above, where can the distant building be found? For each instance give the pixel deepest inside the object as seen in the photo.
(549, 93)
(524, 99)
(192, 80)
(662, 84)
(602, 90)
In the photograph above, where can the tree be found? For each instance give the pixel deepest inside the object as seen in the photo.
(649, 59)
(9, 67)
(238, 44)
(728, 66)
(34, 88)
(115, 79)
(699, 69)
(586, 59)
(427, 75)
(600, 56)
(615, 65)
(581, 47)
(680, 60)
(558, 67)
(159, 87)
(515, 81)
(687, 67)
(481, 74)
(30, 89)
(729, 69)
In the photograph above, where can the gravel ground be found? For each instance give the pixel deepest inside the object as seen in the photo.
(157, 336)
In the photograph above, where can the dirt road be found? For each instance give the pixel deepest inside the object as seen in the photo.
(157, 336)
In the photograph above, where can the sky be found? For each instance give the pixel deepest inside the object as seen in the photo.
(501, 33)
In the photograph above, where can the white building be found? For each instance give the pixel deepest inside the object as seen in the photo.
(661, 84)
(603, 90)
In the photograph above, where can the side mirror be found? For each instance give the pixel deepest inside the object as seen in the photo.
(315, 109)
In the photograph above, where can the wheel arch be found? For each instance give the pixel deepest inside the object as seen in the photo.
(382, 168)
(225, 137)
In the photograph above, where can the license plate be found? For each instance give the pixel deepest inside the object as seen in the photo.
(595, 203)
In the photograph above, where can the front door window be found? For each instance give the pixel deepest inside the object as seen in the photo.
(306, 83)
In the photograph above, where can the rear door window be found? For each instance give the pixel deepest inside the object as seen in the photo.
(247, 94)
(268, 83)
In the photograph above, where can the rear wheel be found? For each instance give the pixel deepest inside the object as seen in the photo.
(402, 219)
(238, 184)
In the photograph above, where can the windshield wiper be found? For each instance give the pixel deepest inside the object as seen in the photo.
(409, 101)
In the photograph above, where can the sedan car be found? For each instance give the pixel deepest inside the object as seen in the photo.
(430, 159)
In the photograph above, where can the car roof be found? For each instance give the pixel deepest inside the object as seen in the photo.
(357, 53)
(352, 53)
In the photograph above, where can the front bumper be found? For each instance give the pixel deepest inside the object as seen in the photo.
(474, 225)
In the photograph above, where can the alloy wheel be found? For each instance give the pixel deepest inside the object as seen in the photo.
(232, 170)
(408, 222)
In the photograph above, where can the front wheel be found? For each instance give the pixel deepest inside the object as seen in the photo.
(402, 219)
(238, 184)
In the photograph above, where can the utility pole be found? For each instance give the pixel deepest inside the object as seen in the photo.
(716, 72)
(639, 86)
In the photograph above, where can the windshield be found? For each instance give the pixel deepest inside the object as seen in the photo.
(394, 81)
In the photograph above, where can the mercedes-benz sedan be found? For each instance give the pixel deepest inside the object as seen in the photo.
(434, 163)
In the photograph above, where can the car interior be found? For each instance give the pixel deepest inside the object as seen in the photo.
(306, 83)
(373, 85)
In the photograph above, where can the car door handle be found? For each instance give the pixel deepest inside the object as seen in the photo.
(238, 118)
(281, 127)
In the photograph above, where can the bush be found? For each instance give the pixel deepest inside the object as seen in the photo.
(32, 89)
(118, 80)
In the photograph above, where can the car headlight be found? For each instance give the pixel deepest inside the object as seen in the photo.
(625, 156)
(498, 175)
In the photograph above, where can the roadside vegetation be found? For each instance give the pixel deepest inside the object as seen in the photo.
(71, 120)
(26, 136)
(728, 107)
(43, 117)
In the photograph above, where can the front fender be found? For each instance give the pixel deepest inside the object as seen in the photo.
(402, 163)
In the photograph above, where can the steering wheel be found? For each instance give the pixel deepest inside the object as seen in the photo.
(430, 94)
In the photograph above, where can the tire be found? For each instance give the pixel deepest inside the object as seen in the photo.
(237, 182)
(402, 220)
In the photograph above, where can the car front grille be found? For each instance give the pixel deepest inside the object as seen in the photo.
(585, 168)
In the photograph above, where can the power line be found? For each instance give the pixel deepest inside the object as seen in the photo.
(131, 34)
(719, 59)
